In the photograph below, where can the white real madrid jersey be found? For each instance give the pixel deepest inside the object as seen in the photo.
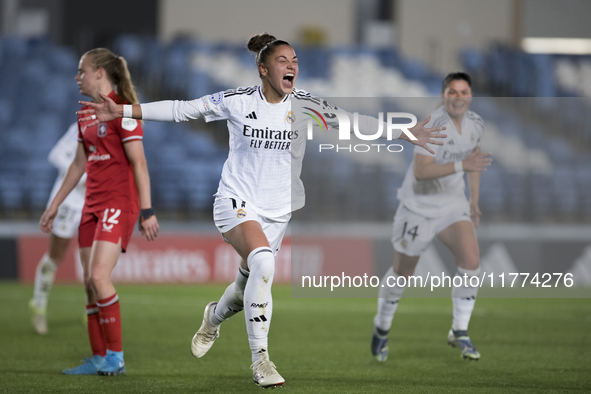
(61, 156)
(429, 197)
(266, 151)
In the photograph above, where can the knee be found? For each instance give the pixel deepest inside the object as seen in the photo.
(98, 279)
(262, 262)
(470, 260)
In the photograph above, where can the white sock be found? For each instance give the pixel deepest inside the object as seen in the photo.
(232, 300)
(258, 302)
(388, 298)
(44, 277)
(463, 299)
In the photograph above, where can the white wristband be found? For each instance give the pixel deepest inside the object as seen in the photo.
(459, 166)
(128, 111)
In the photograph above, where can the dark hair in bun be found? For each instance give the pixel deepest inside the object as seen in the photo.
(263, 45)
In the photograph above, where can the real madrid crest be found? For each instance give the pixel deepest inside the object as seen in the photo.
(290, 117)
(102, 130)
(240, 213)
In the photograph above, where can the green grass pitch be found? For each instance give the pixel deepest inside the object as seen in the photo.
(318, 345)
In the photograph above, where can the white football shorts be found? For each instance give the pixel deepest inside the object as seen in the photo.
(413, 232)
(67, 220)
(230, 212)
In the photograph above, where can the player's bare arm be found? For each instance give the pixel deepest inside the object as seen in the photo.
(135, 153)
(75, 172)
(477, 161)
(426, 168)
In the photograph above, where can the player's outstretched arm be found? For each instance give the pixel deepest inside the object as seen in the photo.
(424, 135)
(106, 111)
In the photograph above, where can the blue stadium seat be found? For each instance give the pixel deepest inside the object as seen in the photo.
(131, 47)
(63, 61)
(389, 57)
(473, 60)
(492, 192)
(11, 192)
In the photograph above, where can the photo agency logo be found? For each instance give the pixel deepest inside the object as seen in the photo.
(345, 131)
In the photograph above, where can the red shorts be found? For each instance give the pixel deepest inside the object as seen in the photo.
(106, 225)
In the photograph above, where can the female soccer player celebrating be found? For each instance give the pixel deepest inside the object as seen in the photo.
(260, 184)
(118, 186)
(432, 202)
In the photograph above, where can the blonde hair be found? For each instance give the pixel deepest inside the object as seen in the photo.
(117, 72)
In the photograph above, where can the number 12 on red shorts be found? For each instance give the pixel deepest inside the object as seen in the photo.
(109, 224)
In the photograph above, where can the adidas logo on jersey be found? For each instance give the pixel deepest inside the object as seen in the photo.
(451, 142)
(259, 319)
(251, 115)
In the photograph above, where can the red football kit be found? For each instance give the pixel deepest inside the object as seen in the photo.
(112, 201)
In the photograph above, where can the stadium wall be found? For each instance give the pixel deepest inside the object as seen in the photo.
(282, 18)
(551, 18)
(435, 31)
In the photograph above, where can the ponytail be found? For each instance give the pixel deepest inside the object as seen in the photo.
(125, 88)
(117, 72)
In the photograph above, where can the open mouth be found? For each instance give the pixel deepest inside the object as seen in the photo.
(288, 80)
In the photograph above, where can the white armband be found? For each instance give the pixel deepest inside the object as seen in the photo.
(459, 166)
(127, 111)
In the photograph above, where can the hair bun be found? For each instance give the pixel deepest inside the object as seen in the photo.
(257, 42)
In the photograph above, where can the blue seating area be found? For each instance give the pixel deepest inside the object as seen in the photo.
(557, 82)
(510, 72)
(534, 176)
(38, 98)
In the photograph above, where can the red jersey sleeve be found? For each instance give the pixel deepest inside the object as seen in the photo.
(130, 130)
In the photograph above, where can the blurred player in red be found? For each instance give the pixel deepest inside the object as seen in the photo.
(117, 190)
(65, 226)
